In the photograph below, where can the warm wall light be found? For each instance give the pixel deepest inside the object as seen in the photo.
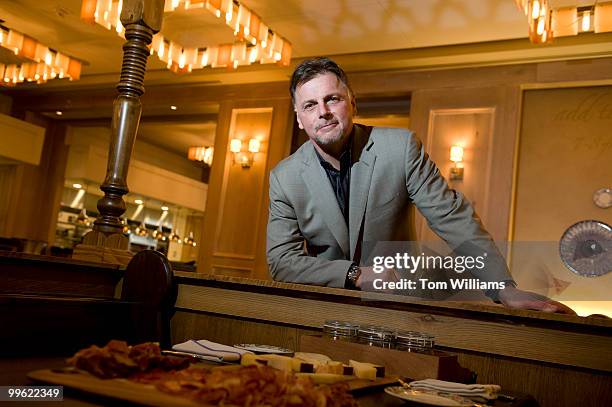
(245, 158)
(235, 145)
(456, 156)
(585, 21)
(254, 145)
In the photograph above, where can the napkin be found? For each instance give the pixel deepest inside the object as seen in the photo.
(215, 351)
(487, 391)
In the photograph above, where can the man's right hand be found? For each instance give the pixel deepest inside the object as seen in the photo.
(512, 297)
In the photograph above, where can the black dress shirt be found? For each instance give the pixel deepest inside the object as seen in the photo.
(340, 180)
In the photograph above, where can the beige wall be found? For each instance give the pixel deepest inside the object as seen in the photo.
(32, 193)
(565, 155)
(145, 152)
(20, 141)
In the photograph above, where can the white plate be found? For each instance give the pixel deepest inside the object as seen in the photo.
(430, 398)
(256, 348)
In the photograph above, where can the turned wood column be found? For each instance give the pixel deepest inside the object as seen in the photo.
(106, 242)
(141, 19)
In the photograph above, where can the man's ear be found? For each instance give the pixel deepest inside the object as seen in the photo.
(297, 117)
(353, 104)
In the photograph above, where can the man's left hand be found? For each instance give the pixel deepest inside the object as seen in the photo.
(512, 297)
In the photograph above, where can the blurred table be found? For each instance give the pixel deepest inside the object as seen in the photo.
(13, 371)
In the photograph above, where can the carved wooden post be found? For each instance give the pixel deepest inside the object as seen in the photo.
(141, 19)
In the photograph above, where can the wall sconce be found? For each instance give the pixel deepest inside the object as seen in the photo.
(203, 154)
(456, 156)
(245, 158)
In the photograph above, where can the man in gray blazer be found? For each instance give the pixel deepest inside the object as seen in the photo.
(351, 184)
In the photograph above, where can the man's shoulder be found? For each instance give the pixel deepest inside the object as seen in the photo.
(391, 133)
(292, 164)
(392, 139)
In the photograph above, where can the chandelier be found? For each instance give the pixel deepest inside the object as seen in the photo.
(45, 63)
(546, 23)
(255, 41)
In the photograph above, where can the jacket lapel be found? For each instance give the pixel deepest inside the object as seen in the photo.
(322, 193)
(361, 176)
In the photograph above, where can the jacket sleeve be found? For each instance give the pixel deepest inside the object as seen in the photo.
(449, 213)
(287, 258)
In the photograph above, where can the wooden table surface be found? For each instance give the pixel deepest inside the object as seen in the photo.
(13, 371)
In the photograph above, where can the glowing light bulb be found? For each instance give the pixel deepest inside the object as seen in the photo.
(535, 9)
(586, 21)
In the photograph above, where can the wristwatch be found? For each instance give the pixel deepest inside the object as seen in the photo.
(351, 276)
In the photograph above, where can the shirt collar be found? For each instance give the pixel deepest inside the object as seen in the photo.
(345, 157)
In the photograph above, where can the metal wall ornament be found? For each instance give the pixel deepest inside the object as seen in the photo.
(602, 198)
(586, 248)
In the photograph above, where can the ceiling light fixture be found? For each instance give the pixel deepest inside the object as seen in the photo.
(77, 186)
(46, 63)
(189, 240)
(164, 208)
(256, 41)
(546, 23)
(173, 107)
(203, 154)
(138, 201)
(59, 112)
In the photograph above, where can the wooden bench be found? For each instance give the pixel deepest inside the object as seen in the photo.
(56, 306)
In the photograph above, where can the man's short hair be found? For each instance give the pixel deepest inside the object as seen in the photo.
(311, 68)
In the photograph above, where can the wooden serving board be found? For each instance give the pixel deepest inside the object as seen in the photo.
(144, 394)
(415, 365)
(359, 385)
(122, 389)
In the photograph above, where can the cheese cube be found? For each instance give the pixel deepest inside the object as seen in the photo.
(365, 370)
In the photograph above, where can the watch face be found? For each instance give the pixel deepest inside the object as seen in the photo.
(603, 198)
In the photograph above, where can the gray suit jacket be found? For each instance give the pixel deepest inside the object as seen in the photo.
(308, 240)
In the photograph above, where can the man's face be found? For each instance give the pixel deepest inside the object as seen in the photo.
(325, 108)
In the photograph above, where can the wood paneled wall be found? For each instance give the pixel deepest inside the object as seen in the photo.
(237, 208)
(35, 193)
(503, 103)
